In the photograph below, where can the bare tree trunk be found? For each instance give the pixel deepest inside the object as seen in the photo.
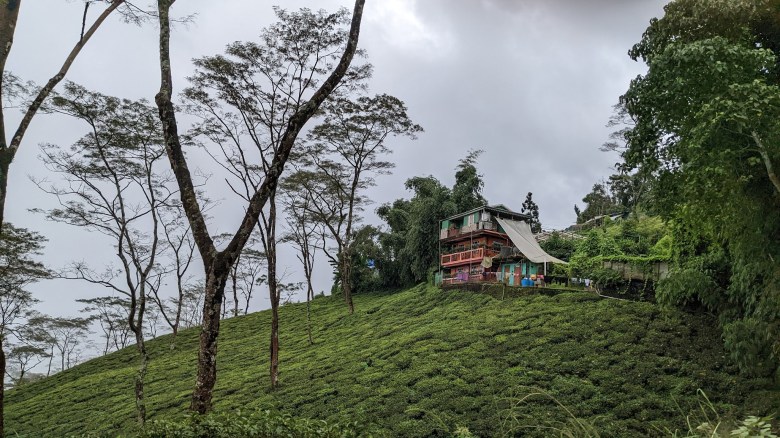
(2, 387)
(309, 295)
(51, 359)
(346, 279)
(5, 163)
(8, 17)
(216, 278)
(273, 290)
(177, 320)
(140, 377)
(234, 277)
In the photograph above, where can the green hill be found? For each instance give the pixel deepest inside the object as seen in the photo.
(421, 362)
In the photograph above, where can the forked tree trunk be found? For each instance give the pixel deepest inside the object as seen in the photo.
(218, 263)
(216, 278)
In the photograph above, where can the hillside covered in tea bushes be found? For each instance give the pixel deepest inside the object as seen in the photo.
(422, 362)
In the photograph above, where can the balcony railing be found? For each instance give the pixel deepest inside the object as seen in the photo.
(470, 256)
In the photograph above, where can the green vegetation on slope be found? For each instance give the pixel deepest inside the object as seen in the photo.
(421, 362)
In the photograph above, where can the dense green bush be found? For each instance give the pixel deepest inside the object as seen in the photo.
(259, 424)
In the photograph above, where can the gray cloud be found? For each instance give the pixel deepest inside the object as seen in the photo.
(530, 82)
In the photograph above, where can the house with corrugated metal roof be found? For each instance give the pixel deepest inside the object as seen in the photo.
(489, 244)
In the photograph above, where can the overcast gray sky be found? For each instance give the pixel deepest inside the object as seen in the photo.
(530, 82)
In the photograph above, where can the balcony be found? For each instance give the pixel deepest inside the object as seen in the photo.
(453, 232)
(464, 257)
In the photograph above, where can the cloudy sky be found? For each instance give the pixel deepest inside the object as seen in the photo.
(531, 82)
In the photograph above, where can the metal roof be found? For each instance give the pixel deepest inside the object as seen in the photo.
(498, 210)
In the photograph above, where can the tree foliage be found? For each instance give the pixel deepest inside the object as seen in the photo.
(598, 202)
(530, 208)
(707, 129)
(467, 191)
(410, 244)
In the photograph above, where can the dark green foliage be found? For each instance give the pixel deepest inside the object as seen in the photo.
(467, 191)
(413, 237)
(411, 244)
(598, 202)
(260, 424)
(421, 362)
(530, 208)
(705, 125)
(559, 247)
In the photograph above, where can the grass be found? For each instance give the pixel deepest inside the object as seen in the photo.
(422, 362)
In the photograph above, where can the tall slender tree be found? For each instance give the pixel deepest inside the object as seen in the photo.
(244, 100)
(113, 186)
(344, 155)
(217, 263)
(467, 191)
(305, 234)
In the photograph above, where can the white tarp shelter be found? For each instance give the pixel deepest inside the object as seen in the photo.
(521, 235)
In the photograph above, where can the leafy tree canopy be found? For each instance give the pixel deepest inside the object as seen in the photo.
(707, 128)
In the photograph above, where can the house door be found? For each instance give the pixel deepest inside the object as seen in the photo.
(512, 274)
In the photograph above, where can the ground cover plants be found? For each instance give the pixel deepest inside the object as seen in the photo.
(423, 362)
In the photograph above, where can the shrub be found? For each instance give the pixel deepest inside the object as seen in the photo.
(259, 424)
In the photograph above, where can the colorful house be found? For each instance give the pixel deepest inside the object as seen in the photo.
(489, 244)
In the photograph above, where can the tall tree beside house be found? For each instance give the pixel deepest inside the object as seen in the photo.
(530, 208)
(707, 126)
(315, 88)
(467, 191)
(19, 268)
(412, 240)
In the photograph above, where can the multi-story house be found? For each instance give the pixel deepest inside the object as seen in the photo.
(488, 244)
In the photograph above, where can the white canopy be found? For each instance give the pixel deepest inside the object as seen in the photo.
(521, 235)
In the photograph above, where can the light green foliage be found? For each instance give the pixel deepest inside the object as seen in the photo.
(639, 241)
(421, 362)
(754, 427)
(558, 246)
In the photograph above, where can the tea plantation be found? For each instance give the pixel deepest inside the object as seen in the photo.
(422, 362)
